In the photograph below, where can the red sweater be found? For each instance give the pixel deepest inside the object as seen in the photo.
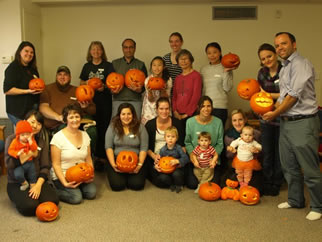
(16, 146)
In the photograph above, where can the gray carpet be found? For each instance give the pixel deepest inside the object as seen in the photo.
(160, 215)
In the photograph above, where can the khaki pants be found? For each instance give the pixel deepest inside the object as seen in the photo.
(203, 174)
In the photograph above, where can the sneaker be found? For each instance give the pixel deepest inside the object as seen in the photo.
(284, 205)
(313, 216)
(172, 188)
(178, 189)
(24, 186)
(197, 189)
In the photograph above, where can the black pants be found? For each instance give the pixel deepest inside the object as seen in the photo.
(26, 205)
(220, 113)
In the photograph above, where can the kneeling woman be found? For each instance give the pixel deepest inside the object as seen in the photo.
(125, 133)
(71, 146)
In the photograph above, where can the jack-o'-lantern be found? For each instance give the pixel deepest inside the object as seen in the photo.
(230, 190)
(156, 83)
(47, 211)
(262, 102)
(164, 164)
(37, 84)
(84, 93)
(247, 88)
(209, 191)
(230, 60)
(249, 195)
(134, 77)
(126, 161)
(115, 80)
(95, 83)
(81, 172)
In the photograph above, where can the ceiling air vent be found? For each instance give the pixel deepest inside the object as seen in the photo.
(234, 13)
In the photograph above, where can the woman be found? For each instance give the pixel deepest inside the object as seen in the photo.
(98, 66)
(186, 89)
(268, 78)
(155, 128)
(126, 133)
(176, 42)
(239, 120)
(203, 122)
(27, 201)
(19, 98)
(217, 81)
(69, 147)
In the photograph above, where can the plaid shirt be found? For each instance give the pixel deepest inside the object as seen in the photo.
(268, 83)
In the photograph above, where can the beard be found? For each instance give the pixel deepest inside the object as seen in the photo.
(63, 88)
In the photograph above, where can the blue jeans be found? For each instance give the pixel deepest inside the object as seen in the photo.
(28, 168)
(13, 119)
(75, 195)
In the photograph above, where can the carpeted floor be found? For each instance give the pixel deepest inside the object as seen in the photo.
(160, 215)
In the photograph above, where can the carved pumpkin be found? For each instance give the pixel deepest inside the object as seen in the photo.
(37, 84)
(127, 161)
(82, 172)
(134, 77)
(249, 195)
(95, 83)
(156, 83)
(230, 60)
(164, 164)
(247, 88)
(84, 93)
(230, 191)
(115, 80)
(47, 211)
(209, 191)
(262, 102)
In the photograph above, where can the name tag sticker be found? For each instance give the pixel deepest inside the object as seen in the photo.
(277, 81)
(198, 132)
(132, 136)
(216, 75)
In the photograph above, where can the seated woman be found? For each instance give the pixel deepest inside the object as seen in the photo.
(27, 201)
(239, 120)
(203, 122)
(71, 146)
(126, 133)
(156, 128)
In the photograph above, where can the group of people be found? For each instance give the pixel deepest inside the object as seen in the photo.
(185, 120)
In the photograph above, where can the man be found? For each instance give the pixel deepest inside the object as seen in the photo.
(299, 130)
(122, 65)
(56, 96)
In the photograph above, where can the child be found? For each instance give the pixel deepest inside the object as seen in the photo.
(24, 148)
(204, 157)
(245, 163)
(171, 148)
(158, 69)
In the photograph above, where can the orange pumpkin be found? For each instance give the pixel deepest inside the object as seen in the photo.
(164, 164)
(127, 161)
(37, 84)
(230, 60)
(262, 102)
(81, 172)
(134, 77)
(115, 80)
(47, 211)
(247, 88)
(230, 190)
(84, 93)
(156, 83)
(209, 191)
(249, 195)
(95, 83)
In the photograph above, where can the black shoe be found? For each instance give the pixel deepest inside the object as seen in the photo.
(178, 189)
(172, 188)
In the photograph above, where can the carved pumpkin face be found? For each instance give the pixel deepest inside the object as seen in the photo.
(231, 183)
(134, 77)
(249, 195)
(165, 166)
(247, 88)
(95, 83)
(47, 211)
(80, 173)
(127, 161)
(156, 83)
(84, 93)
(115, 80)
(230, 60)
(209, 191)
(37, 84)
(262, 102)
